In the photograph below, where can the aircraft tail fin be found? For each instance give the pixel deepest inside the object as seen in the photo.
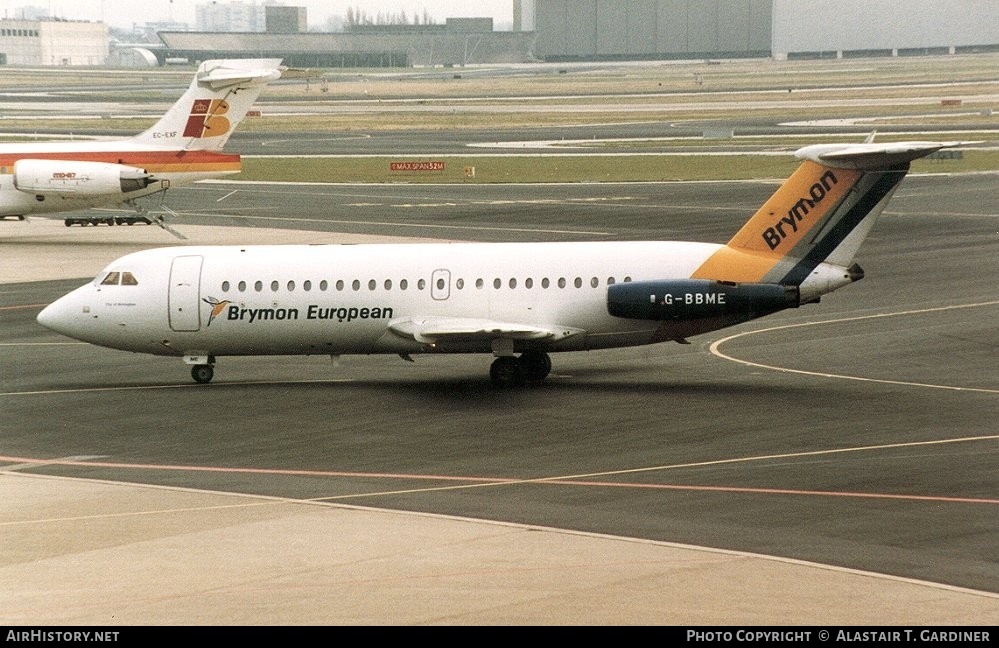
(820, 214)
(219, 96)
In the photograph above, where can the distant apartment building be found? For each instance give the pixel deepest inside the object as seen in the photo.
(53, 42)
(249, 17)
(230, 17)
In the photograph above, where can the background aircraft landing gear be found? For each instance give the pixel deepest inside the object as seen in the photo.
(202, 373)
(531, 367)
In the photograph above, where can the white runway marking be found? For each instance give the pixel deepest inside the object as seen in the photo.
(715, 349)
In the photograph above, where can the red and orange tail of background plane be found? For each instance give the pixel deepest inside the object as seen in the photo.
(220, 95)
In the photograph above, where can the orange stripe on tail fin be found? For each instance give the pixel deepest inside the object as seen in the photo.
(798, 208)
(822, 213)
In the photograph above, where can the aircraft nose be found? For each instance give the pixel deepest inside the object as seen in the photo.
(64, 315)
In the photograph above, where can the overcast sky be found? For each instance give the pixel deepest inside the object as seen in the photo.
(125, 13)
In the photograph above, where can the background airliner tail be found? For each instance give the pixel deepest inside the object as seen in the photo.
(820, 214)
(218, 98)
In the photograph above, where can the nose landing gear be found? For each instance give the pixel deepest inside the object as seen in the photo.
(202, 373)
(202, 367)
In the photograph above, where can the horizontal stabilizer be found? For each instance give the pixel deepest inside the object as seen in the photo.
(871, 156)
(234, 73)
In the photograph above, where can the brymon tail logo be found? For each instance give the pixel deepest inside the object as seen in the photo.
(207, 119)
(217, 307)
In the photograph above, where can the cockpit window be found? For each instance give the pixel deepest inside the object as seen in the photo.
(120, 279)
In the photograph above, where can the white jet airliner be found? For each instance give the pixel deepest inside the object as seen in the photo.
(184, 146)
(517, 301)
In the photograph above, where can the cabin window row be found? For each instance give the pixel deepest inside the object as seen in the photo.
(421, 284)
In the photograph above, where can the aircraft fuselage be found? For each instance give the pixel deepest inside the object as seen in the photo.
(342, 299)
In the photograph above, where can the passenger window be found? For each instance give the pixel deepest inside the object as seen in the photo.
(274, 286)
(323, 285)
(112, 279)
(594, 282)
(545, 283)
(225, 286)
(258, 285)
(578, 282)
(372, 284)
(128, 279)
(460, 283)
(497, 283)
(241, 286)
(306, 285)
(388, 284)
(561, 282)
(356, 284)
(403, 284)
(291, 286)
(421, 284)
(528, 283)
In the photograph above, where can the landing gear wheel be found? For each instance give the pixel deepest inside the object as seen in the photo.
(202, 373)
(536, 366)
(506, 371)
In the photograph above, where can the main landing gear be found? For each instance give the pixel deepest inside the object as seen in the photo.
(531, 368)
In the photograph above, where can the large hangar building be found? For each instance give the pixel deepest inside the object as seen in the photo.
(783, 29)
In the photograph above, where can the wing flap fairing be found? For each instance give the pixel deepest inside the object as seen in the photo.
(433, 329)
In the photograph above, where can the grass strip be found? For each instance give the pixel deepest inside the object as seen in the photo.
(559, 168)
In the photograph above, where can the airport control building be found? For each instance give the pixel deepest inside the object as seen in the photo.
(556, 31)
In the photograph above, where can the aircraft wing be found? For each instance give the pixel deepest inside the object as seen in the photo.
(432, 329)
